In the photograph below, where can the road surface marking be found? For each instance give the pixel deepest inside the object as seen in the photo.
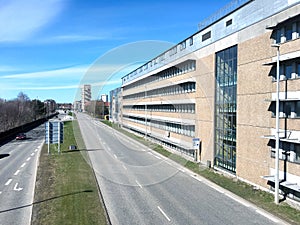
(182, 170)
(28, 159)
(124, 167)
(217, 189)
(16, 188)
(8, 182)
(24, 164)
(17, 172)
(195, 177)
(150, 153)
(237, 200)
(0, 192)
(169, 163)
(36, 150)
(270, 217)
(32, 154)
(165, 215)
(115, 156)
(138, 184)
(157, 157)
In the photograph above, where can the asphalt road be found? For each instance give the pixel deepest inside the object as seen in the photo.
(18, 165)
(140, 186)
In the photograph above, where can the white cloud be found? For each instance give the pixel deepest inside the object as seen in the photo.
(4, 68)
(21, 19)
(76, 38)
(74, 86)
(72, 71)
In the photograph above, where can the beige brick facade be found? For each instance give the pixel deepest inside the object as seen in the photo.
(176, 111)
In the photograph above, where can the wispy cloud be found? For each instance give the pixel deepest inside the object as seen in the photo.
(19, 20)
(72, 71)
(76, 38)
(4, 68)
(63, 87)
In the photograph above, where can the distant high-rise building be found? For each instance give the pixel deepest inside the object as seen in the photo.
(86, 95)
(104, 98)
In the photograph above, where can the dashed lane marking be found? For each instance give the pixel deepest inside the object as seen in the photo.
(162, 212)
(28, 159)
(8, 182)
(24, 164)
(17, 172)
(138, 184)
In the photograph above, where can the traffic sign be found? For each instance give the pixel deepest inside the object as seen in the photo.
(54, 132)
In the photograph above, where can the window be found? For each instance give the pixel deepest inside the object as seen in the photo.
(228, 22)
(191, 41)
(297, 153)
(225, 108)
(288, 70)
(206, 36)
(288, 109)
(278, 36)
(297, 109)
(183, 45)
(288, 32)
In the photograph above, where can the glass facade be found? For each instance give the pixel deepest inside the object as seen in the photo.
(225, 109)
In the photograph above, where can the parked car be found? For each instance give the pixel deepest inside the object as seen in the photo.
(21, 136)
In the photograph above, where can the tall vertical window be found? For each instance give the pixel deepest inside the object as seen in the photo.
(288, 70)
(288, 32)
(225, 109)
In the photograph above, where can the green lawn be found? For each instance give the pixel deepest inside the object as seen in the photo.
(66, 190)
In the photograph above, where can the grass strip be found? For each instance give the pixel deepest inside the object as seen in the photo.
(260, 198)
(66, 190)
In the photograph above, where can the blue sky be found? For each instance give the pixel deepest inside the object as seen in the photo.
(49, 48)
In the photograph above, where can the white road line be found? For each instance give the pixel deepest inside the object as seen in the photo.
(165, 215)
(124, 167)
(17, 172)
(182, 170)
(115, 156)
(217, 189)
(270, 217)
(24, 164)
(32, 154)
(237, 200)
(0, 192)
(169, 163)
(36, 150)
(138, 184)
(28, 159)
(8, 182)
(150, 153)
(195, 177)
(157, 157)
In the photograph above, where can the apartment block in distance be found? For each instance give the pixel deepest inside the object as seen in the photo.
(86, 95)
(218, 87)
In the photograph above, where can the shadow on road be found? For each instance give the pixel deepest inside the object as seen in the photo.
(3, 156)
(45, 200)
(83, 150)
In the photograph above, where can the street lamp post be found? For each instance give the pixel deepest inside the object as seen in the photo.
(145, 112)
(277, 127)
